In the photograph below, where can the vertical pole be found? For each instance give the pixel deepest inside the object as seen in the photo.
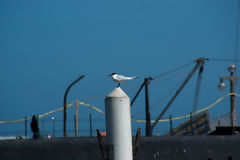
(171, 128)
(76, 120)
(137, 140)
(148, 118)
(233, 103)
(43, 128)
(101, 145)
(25, 127)
(75, 127)
(53, 119)
(191, 127)
(65, 105)
(90, 122)
(232, 123)
(233, 100)
(118, 125)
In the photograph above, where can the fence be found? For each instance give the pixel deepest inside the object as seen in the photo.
(86, 126)
(53, 127)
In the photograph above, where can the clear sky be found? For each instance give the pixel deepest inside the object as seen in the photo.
(47, 44)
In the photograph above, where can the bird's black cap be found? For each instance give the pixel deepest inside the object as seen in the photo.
(112, 74)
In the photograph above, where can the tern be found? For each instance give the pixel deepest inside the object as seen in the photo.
(120, 79)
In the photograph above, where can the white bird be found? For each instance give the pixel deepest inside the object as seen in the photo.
(120, 79)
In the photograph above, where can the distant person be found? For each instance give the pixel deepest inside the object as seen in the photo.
(34, 127)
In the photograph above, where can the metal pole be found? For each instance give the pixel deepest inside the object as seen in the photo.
(136, 145)
(53, 127)
(171, 128)
(148, 117)
(76, 120)
(43, 128)
(75, 127)
(233, 100)
(134, 98)
(232, 125)
(191, 126)
(25, 127)
(90, 122)
(199, 80)
(65, 105)
(178, 91)
(232, 78)
(102, 146)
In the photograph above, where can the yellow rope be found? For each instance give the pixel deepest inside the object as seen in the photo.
(40, 116)
(51, 112)
(88, 105)
(142, 121)
(199, 111)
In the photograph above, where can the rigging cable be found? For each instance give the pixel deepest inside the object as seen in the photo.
(223, 60)
(166, 95)
(173, 70)
(199, 80)
(136, 86)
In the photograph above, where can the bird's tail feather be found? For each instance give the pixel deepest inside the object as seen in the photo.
(135, 77)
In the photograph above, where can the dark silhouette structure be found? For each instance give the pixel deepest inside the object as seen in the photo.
(34, 128)
(65, 105)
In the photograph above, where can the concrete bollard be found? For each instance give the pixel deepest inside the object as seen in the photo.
(118, 125)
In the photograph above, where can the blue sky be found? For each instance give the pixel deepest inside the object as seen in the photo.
(45, 45)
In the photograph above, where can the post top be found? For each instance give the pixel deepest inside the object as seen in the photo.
(117, 93)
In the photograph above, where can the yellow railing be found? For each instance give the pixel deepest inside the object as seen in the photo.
(141, 121)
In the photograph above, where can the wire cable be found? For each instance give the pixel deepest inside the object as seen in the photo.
(173, 70)
(223, 60)
(166, 95)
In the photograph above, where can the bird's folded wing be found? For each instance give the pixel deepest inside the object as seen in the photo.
(120, 77)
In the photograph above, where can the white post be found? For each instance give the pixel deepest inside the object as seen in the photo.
(118, 124)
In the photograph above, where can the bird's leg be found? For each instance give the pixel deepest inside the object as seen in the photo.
(118, 85)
